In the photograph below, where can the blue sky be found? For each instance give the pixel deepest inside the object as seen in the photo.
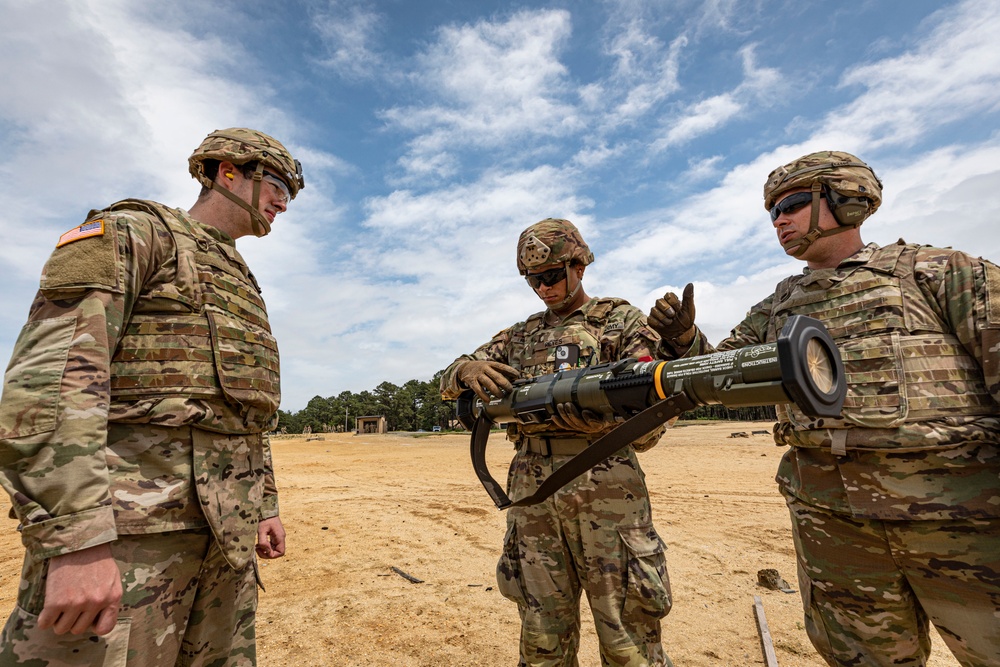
(432, 133)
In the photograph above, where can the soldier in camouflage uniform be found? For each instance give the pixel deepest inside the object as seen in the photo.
(133, 427)
(596, 534)
(895, 506)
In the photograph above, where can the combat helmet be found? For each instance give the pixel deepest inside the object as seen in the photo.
(241, 145)
(852, 189)
(551, 241)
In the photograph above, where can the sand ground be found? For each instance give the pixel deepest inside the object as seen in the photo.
(356, 506)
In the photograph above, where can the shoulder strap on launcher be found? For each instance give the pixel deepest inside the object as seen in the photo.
(646, 421)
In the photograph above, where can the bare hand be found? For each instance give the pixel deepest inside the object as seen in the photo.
(83, 591)
(570, 418)
(673, 319)
(489, 379)
(270, 538)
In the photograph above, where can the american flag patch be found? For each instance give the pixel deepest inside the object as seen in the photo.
(84, 231)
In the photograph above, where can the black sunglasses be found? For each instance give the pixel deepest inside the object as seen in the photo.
(547, 278)
(790, 204)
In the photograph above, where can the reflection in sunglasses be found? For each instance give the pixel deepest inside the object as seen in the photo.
(790, 204)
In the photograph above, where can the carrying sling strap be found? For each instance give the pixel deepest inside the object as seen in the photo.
(602, 448)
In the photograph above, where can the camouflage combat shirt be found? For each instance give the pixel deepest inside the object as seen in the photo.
(599, 331)
(61, 399)
(919, 331)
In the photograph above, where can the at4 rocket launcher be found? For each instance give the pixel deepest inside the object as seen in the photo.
(803, 367)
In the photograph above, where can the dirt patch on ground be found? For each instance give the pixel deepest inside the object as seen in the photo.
(357, 506)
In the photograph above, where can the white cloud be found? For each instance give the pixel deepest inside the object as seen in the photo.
(645, 73)
(491, 83)
(348, 31)
(953, 74)
(699, 119)
(945, 197)
(705, 116)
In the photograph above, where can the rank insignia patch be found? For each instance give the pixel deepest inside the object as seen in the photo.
(84, 231)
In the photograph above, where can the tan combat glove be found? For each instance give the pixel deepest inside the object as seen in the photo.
(489, 379)
(571, 418)
(674, 320)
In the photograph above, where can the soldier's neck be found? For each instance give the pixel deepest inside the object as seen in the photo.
(578, 300)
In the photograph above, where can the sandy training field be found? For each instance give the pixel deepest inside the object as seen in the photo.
(357, 506)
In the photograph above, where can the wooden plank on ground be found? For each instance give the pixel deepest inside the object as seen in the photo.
(770, 659)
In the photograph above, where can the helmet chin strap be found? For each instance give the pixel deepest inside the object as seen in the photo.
(569, 297)
(799, 246)
(261, 227)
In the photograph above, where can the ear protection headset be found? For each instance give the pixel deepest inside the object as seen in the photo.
(848, 211)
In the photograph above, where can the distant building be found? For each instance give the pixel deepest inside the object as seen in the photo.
(371, 424)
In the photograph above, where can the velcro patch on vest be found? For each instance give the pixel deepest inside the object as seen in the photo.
(992, 293)
(73, 267)
(84, 231)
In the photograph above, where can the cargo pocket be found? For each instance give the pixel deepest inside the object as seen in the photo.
(232, 510)
(24, 643)
(509, 569)
(647, 586)
(815, 623)
(32, 382)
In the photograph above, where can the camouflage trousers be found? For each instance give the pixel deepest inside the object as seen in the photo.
(870, 588)
(595, 535)
(182, 605)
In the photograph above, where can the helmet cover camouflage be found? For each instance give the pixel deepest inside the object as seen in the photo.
(241, 145)
(841, 172)
(551, 241)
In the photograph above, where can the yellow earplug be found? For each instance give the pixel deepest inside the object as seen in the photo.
(229, 175)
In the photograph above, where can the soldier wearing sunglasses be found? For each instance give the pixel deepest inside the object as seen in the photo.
(895, 506)
(597, 534)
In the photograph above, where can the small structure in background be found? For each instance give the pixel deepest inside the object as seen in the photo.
(371, 424)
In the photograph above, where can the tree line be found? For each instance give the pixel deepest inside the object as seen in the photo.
(412, 406)
(417, 405)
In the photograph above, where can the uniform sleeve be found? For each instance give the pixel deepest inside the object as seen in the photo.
(638, 341)
(699, 346)
(968, 294)
(752, 330)
(56, 392)
(495, 350)
(269, 504)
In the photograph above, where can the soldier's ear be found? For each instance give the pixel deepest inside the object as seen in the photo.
(226, 168)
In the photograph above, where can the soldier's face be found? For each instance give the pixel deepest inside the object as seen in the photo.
(792, 223)
(273, 195)
(557, 292)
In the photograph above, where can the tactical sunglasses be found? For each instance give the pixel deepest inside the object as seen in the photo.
(547, 278)
(279, 183)
(790, 204)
